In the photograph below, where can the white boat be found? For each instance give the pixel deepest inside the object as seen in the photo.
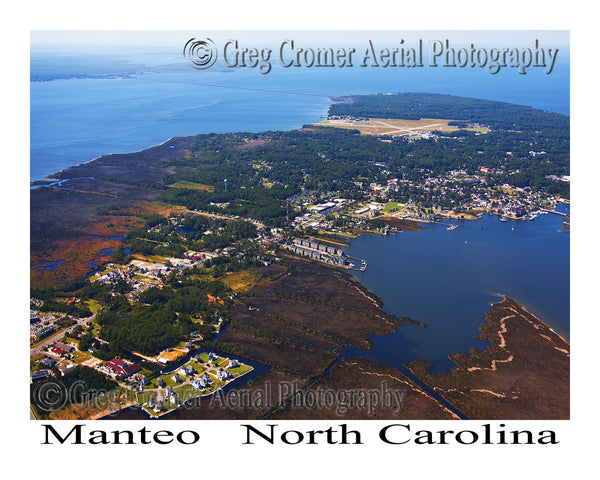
(452, 227)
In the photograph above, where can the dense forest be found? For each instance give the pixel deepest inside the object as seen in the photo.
(413, 106)
(162, 317)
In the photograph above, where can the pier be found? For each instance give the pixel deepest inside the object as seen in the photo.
(555, 211)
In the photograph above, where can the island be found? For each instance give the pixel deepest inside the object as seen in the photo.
(233, 245)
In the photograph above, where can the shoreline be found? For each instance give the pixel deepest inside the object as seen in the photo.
(51, 176)
(506, 298)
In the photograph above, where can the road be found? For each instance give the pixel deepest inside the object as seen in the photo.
(58, 335)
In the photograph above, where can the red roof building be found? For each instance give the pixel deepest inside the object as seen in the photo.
(122, 367)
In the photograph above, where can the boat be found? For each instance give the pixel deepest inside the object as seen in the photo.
(452, 227)
(503, 219)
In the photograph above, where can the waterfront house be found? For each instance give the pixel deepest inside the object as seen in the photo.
(198, 385)
(233, 363)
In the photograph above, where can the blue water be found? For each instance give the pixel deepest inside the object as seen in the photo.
(76, 120)
(447, 279)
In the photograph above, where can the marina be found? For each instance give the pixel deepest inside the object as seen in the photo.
(325, 253)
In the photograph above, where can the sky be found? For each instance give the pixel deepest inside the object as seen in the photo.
(179, 37)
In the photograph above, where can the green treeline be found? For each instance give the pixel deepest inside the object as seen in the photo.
(413, 106)
(162, 317)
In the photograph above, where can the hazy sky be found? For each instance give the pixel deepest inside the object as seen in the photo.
(170, 38)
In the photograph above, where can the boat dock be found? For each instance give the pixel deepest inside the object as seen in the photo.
(352, 263)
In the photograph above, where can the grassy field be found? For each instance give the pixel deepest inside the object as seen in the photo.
(241, 281)
(237, 371)
(392, 207)
(93, 305)
(150, 258)
(192, 186)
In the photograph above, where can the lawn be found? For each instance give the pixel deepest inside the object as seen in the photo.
(93, 305)
(240, 370)
(392, 206)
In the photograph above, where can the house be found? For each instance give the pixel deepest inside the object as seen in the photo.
(47, 362)
(223, 375)
(189, 370)
(233, 363)
(160, 382)
(176, 378)
(212, 356)
(171, 397)
(198, 385)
